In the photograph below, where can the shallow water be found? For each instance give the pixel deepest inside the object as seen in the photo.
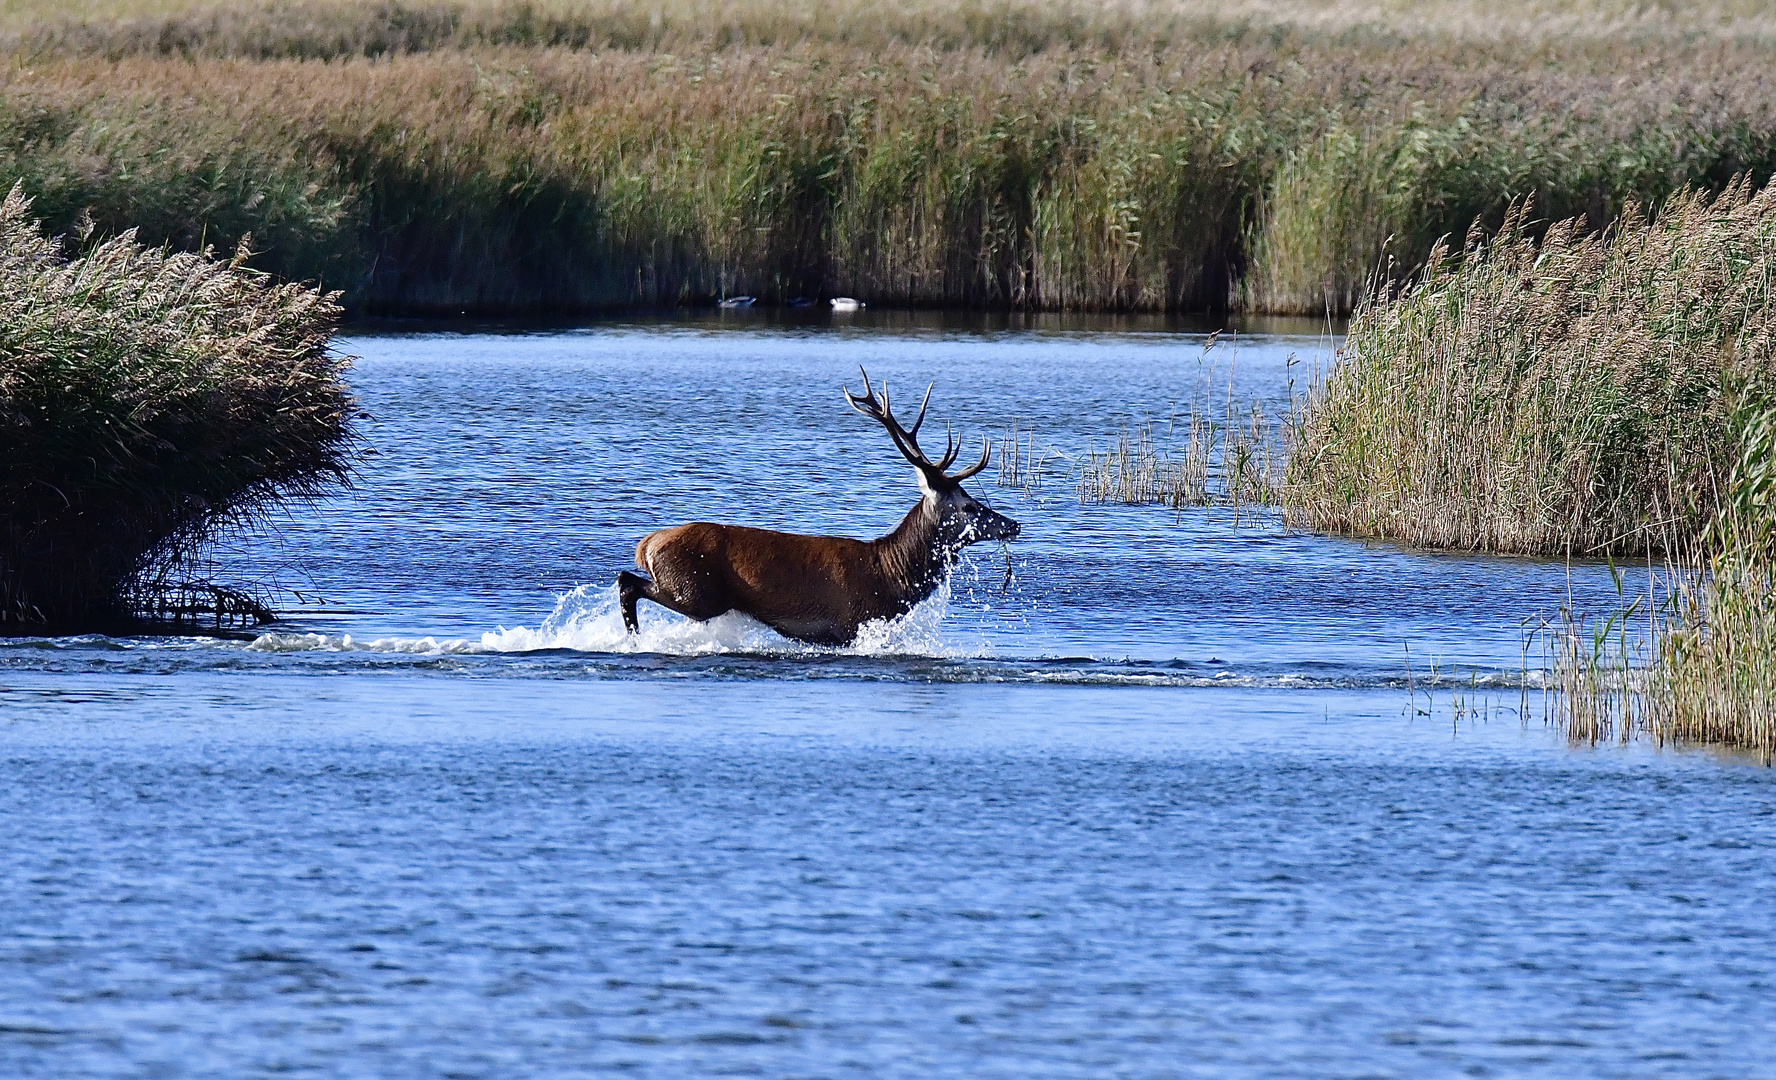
(1160, 802)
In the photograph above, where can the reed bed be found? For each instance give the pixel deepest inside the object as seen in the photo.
(1584, 394)
(1569, 395)
(331, 29)
(148, 399)
(504, 158)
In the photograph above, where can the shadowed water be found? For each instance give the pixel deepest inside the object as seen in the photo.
(1156, 798)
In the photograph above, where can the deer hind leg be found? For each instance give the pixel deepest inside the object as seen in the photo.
(681, 579)
(632, 587)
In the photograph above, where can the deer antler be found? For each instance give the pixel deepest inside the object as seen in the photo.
(986, 452)
(906, 440)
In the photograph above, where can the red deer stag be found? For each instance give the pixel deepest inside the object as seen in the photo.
(820, 589)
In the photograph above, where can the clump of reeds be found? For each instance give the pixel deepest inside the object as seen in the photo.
(1191, 461)
(1250, 459)
(1584, 394)
(148, 399)
(1021, 465)
(1704, 670)
(1571, 394)
(1718, 681)
(1136, 470)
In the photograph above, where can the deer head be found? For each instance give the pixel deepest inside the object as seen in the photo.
(960, 518)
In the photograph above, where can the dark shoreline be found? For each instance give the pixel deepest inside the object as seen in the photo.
(772, 317)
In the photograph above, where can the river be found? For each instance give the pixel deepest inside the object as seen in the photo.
(1147, 793)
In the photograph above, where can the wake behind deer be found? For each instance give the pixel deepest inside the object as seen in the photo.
(821, 589)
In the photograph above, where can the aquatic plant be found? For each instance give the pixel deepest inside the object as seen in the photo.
(1717, 682)
(1192, 462)
(1704, 671)
(1130, 471)
(1021, 465)
(148, 399)
(1572, 394)
(505, 157)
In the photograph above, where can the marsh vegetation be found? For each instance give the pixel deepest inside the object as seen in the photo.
(1704, 670)
(1193, 459)
(1576, 394)
(525, 157)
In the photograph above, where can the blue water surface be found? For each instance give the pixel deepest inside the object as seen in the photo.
(1153, 793)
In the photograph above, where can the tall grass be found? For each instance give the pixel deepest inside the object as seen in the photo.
(147, 399)
(329, 29)
(1567, 395)
(512, 157)
(1704, 670)
(1718, 681)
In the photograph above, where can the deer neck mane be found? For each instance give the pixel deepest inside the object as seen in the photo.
(913, 557)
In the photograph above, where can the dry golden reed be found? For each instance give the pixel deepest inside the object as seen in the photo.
(513, 157)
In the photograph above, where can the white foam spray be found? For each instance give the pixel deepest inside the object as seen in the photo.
(590, 619)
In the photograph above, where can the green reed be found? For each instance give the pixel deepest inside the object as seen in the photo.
(1583, 394)
(1704, 673)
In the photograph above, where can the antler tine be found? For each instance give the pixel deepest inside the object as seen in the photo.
(951, 449)
(872, 404)
(866, 404)
(913, 432)
(986, 452)
(902, 438)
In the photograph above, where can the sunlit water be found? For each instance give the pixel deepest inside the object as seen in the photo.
(1152, 794)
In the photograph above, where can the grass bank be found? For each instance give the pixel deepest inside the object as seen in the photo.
(506, 158)
(1571, 395)
(148, 399)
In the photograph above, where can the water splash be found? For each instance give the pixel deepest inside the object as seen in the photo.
(589, 619)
